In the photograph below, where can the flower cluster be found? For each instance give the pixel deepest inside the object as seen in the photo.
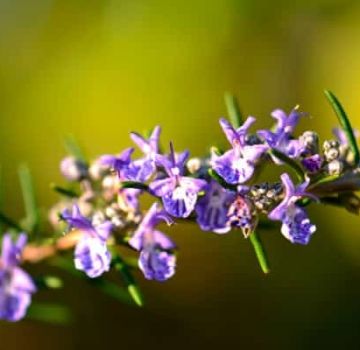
(219, 192)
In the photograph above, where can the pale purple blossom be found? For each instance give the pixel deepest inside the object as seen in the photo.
(157, 259)
(119, 163)
(16, 285)
(143, 168)
(212, 208)
(237, 165)
(296, 226)
(313, 163)
(281, 138)
(91, 253)
(178, 192)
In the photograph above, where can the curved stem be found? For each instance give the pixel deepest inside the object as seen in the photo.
(259, 252)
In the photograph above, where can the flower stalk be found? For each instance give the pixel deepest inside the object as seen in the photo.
(259, 252)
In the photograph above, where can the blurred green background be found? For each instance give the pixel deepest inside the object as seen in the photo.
(101, 68)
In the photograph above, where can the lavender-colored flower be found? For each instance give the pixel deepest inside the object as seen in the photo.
(281, 138)
(157, 260)
(313, 163)
(16, 286)
(119, 163)
(179, 193)
(296, 226)
(212, 209)
(91, 253)
(142, 169)
(237, 165)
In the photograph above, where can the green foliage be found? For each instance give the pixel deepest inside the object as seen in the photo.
(345, 124)
(50, 313)
(259, 252)
(73, 148)
(31, 221)
(233, 110)
(129, 280)
(291, 163)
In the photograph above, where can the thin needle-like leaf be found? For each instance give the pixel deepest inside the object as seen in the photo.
(31, 209)
(221, 181)
(63, 191)
(259, 252)
(50, 313)
(233, 110)
(135, 185)
(290, 162)
(73, 148)
(345, 124)
(6, 221)
(129, 280)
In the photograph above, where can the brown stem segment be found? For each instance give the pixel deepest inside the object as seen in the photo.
(34, 253)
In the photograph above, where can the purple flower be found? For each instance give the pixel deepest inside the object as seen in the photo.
(119, 163)
(237, 165)
(142, 169)
(313, 163)
(281, 138)
(212, 209)
(179, 193)
(296, 226)
(16, 286)
(157, 260)
(91, 253)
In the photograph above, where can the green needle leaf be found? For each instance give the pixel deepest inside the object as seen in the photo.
(107, 287)
(220, 180)
(31, 210)
(129, 280)
(9, 222)
(48, 282)
(233, 110)
(291, 163)
(50, 313)
(134, 184)
(73, 148)
(345, 124)
(259, 252)
(63, 191)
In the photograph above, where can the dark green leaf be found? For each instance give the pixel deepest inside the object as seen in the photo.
(31, 209)
(64, 191)
(221, 181)
(48, 282)
(9, 222)
(134, 184)
(233, 110)
(50, 313)
(107, 287)
(129, 280)
(290, 162)
(345, 124)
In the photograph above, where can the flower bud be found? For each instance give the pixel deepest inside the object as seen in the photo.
(73, 169)
(242, 214)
